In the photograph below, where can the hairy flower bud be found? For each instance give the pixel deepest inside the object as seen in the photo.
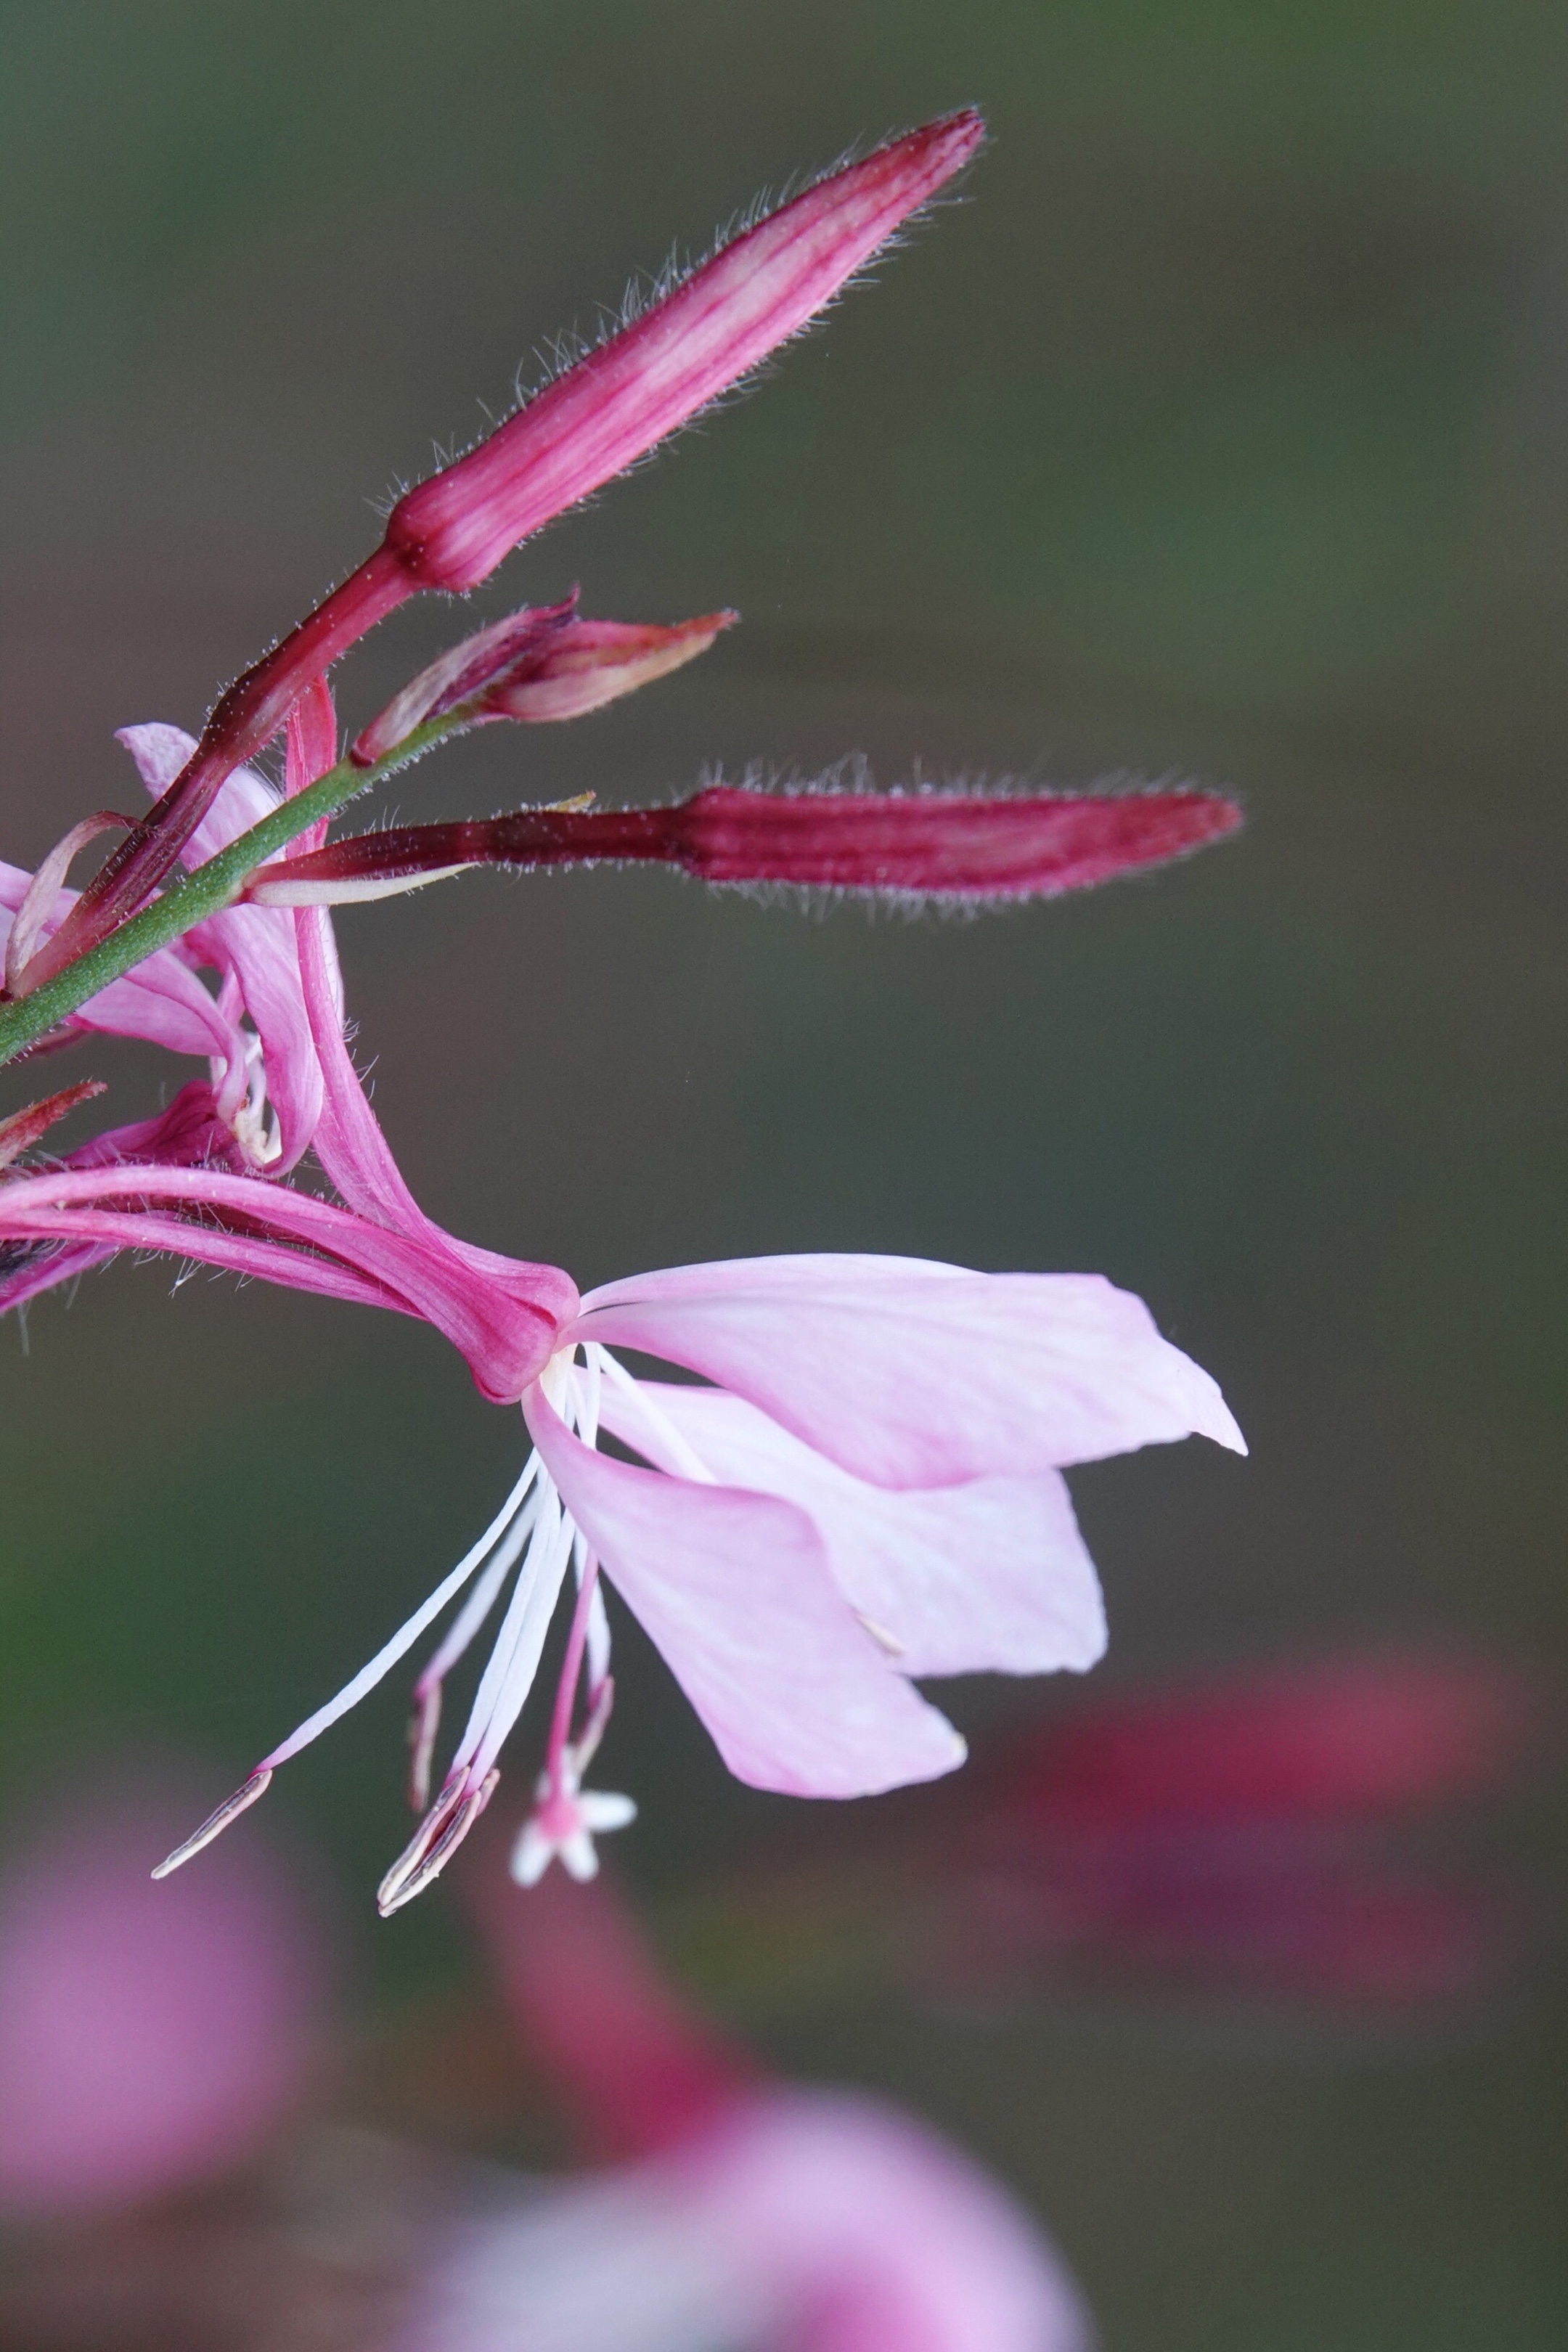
(690, 345)
(952, 847)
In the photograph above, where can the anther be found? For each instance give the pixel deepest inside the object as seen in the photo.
(216, 1823)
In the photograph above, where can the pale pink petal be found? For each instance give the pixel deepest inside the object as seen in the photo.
(164, 1003)
(803, 2221)
(256, 944)
(161, 751)
(917, 1375)
(735, 1591)
(877, 2236)
(991, 1575)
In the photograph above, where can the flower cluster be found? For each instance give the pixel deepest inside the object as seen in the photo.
(862, 1486)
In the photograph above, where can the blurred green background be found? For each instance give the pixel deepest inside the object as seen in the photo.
(1222, 430)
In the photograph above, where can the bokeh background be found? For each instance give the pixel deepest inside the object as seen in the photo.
(1221, 431)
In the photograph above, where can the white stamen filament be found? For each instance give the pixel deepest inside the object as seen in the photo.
(404, 1638)
(532, 1526)
(464, 1626)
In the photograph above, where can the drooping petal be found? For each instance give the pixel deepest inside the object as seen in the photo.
(189, 1133)
(912, 1374)
(735, 1591)
(989, 1576)
(356, 1156)
(506, 1330)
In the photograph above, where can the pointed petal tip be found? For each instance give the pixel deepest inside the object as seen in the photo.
(216, 1823)
(1217, 1421)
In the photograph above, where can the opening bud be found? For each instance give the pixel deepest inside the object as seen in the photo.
(538, 666)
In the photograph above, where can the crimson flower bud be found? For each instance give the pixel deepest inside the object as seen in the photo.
(956, 848)
(692, 343)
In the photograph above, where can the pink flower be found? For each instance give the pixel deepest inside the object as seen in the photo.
(143, 2043)
(739, 2212)
(816, 2220)
(698, 336)
(869, 1490)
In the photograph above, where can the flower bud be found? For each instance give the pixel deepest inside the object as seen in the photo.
(953, 848)
(539, 666)
(654, 375)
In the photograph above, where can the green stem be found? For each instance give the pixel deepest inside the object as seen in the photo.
(190, 899)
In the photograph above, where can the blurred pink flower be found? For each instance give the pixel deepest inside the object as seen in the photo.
(1242, 1834)
(740, 2212)
(871, 1490)
(148, 2037)
(809, 2220)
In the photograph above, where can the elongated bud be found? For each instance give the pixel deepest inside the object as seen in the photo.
(617, 403)
(694, 343)
(539, 666)
(945, 847)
